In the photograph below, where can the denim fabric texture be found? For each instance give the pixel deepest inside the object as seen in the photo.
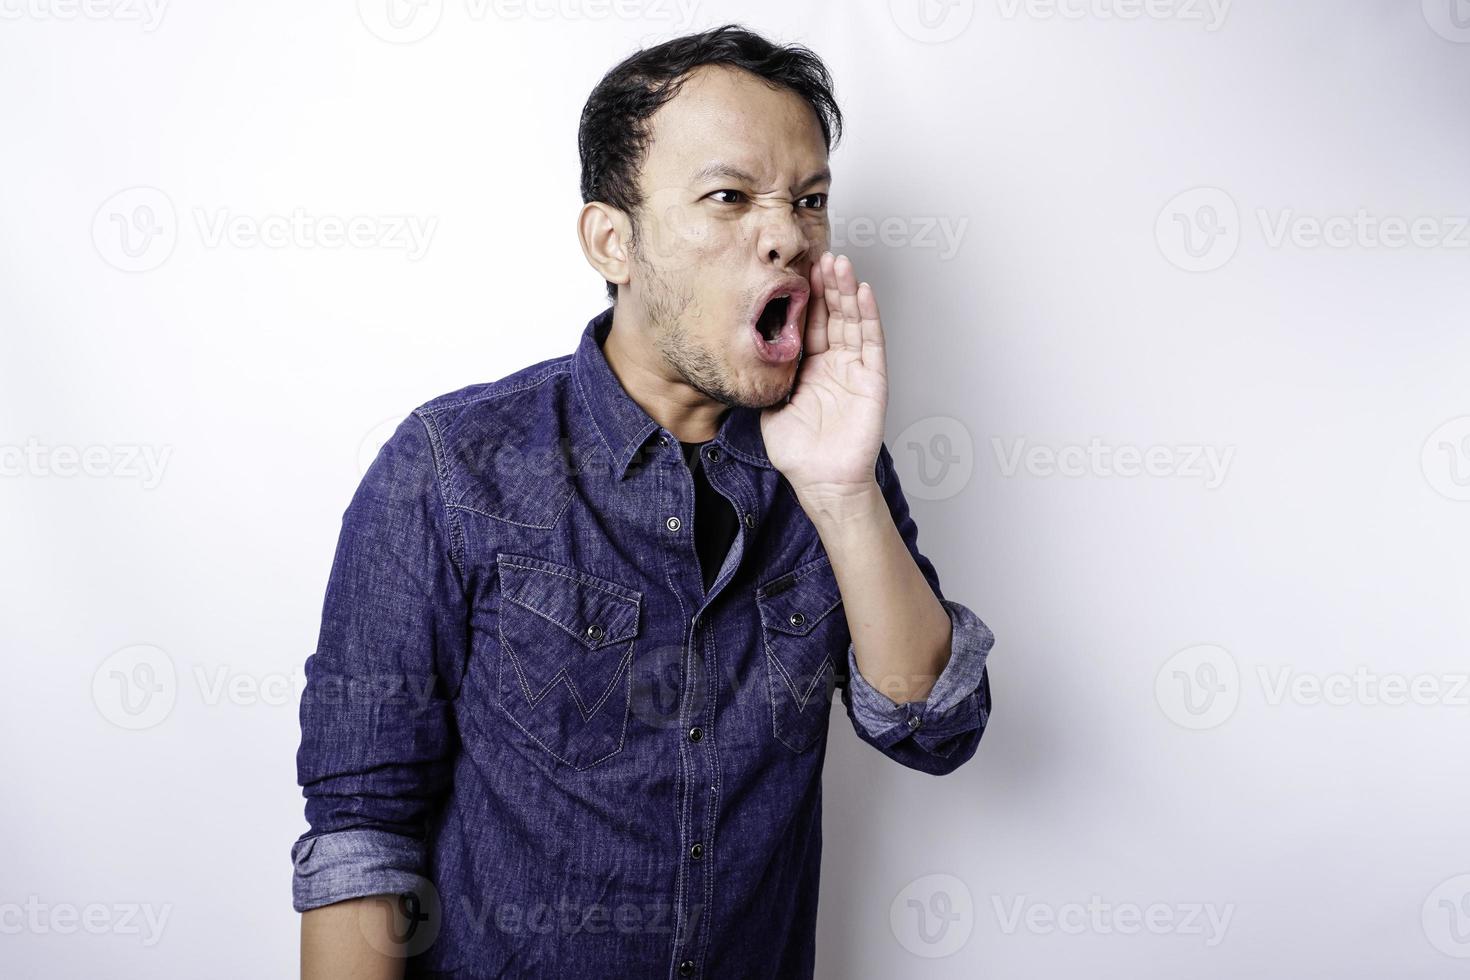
(526, 712)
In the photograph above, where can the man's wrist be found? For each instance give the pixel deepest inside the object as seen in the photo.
(832, 509)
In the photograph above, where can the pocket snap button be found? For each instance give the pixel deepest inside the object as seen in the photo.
(797, 619)
(594, 632)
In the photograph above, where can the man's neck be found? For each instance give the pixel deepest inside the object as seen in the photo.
(645, 376)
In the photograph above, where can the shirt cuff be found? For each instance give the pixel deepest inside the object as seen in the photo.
(347, 864)
(949, 708)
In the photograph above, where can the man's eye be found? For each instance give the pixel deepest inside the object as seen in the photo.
(728, 191)
(819, 199)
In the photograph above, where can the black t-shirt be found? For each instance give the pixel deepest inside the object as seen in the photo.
(715, 523)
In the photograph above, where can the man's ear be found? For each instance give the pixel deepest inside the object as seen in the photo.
(606, 235)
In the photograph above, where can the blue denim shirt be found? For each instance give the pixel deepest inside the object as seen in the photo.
(524, 708)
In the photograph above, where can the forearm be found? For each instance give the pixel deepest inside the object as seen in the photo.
(900, 633)
(352, 940)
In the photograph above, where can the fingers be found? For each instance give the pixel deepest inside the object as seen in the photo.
(851, 308)
(816, 312)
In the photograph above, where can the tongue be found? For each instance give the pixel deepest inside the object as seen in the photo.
(772, 318)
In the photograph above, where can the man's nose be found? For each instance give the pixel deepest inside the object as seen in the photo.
(782, 239)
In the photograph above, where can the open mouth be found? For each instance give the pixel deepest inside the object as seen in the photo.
(776, 327)
(773, 318)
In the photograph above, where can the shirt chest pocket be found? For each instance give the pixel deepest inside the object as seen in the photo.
(804, 629)
(566, 651)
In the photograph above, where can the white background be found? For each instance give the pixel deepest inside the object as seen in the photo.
(1157, 741)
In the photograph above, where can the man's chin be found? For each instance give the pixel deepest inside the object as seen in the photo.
(768, 398)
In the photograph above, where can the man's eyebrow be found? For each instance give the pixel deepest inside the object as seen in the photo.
(715, 170)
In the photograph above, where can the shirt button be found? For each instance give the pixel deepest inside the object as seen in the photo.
(749, 519)
(686, 968)
(713, 455)
(663, 440)
(594, 632)
(697, 851)
(696, 733)
(673, 523)
(913, 722)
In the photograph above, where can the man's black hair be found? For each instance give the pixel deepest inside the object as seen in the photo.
(613, 134)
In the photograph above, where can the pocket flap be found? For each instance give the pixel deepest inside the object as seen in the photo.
(796, 602)
(596, 611)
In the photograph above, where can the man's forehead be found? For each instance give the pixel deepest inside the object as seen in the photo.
(729, 117)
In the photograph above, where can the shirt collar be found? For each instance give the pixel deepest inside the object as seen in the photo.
(624, 426)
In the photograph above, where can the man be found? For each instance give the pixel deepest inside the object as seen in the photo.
(569, 706)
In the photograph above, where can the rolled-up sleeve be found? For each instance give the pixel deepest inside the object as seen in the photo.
(377, 728)
(942, 732)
